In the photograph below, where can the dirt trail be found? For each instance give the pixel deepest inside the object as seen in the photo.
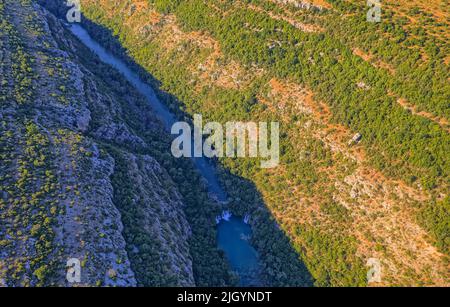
(438, 120)
(374, 62)
(309, 28)
(403, 102)
(381, 208)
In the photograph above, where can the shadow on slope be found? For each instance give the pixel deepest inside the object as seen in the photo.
(280, 264)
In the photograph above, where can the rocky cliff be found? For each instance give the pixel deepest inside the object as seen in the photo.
(80, 176)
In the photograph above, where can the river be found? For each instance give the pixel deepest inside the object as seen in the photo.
(233, 233)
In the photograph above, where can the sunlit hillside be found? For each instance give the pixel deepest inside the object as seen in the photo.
(364, 115)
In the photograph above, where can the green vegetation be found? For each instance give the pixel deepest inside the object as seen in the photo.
(436, 218)
(393, 59)
(26, 201)
(419, 145)
(400, 144)
(144, 249)
(209, 265)
(342, 269)
(28, 182)
(416, 55)
(22, 72)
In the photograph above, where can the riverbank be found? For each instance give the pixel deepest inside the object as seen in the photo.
(243, 258)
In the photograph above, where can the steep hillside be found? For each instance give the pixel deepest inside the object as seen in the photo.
(324, 73)
(86, 172)
(86, 169)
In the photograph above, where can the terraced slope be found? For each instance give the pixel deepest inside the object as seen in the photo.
(324, 73)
